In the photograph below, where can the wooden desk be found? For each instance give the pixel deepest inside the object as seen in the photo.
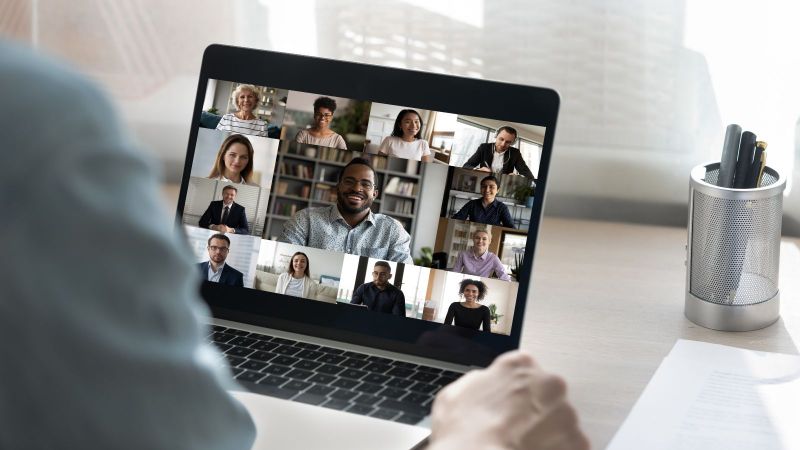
(607, 307)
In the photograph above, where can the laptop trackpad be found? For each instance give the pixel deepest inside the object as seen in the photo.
(286, 424)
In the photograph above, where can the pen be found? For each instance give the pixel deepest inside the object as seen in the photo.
(755, 168)
(730, 149)
(763, 162)
(745, 160)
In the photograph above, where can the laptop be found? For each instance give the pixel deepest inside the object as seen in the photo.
(366, 235)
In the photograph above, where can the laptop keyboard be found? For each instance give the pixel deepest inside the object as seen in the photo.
(331, 377)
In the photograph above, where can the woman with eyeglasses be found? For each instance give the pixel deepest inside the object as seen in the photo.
(296, 281)
(406, 139)
(320, 133)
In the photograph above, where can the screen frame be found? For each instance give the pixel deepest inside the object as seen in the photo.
(437, 92)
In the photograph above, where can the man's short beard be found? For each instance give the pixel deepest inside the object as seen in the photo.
(342, 204)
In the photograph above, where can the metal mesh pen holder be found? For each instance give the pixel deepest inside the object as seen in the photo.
(733, 251)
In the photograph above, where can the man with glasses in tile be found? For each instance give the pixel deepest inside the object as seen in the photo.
(350, 226)
(215, 269)
(380, 295)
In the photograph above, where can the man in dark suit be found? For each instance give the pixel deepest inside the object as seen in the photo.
(215, 268)
(225, 215)
(501, 156)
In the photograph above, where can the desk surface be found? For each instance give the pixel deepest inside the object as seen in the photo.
(607, 307)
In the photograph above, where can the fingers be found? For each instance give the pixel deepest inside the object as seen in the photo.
(558, 429)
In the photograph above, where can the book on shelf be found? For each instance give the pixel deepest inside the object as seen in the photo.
(401, 187)
(305, 191)
(281, 188)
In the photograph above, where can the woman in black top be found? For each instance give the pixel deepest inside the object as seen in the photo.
(469, 314)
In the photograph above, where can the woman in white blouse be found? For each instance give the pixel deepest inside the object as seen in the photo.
(406, 139)
(244, 120)
(296, 281)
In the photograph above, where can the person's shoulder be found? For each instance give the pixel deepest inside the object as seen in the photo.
(386, 221)
(232, 270)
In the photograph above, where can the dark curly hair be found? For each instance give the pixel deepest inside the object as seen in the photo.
(325, 102)
(477, 283)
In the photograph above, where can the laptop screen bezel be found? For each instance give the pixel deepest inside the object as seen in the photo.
(464, 96)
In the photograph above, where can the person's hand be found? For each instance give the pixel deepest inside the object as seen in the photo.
(217, 228)
(513, 404)
(228, 229)
(483, 169)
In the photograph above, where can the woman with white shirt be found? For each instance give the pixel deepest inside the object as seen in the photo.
(296, 281)
(406, 139)
(244, 119)
(234, 162)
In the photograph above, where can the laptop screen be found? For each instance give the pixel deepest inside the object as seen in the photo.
(363, 214)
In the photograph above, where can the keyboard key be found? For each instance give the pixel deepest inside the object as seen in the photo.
(264, 346)
(307, 346)
(262, 356)
(322, 378)
(239, 351)
(286, 350)
(443, 381)
(242, 342)
(284, 360)
(236, 371)
(260, 337)
(237, 332)
(328, 358)
(276, 369)
(429, 369)
(309, 354)
(310, 399)
(307, 365)
(416, 398)
(394, 393)
(342, 394)
(400, 372)
(376, 378)
(399, 383)
(411, 419)
(320, 390)
(345, 383)
(364, 410)
(386, 414)
(234, 361)
(404, 365)
(355, 355)
(253, 365)
(329, 369)
(451, 374)
(223, 347)
(352, 373)
(377, 368)
(337, 404)
(273, 380)
(249, 375)
(368, 388)
(269, 390)
(424, 388)
(331, 350)
(379, 359)
(354, 363)
(218, 328)
(424, 376)
(296, 385)
(403, 406)
(367, 399)
(222, 337)
(283, 341)
(299, 374)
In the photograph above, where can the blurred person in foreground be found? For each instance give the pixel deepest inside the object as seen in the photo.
(115, 357)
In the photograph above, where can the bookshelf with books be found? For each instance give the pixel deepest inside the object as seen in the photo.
(306, 176)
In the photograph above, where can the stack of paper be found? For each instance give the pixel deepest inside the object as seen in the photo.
(713, 397)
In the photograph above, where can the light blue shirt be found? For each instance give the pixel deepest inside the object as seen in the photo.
(377, 236)
(100, 333)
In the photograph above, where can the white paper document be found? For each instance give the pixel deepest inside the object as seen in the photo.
(714, 397)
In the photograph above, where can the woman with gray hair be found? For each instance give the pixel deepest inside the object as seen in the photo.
(244, 120)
